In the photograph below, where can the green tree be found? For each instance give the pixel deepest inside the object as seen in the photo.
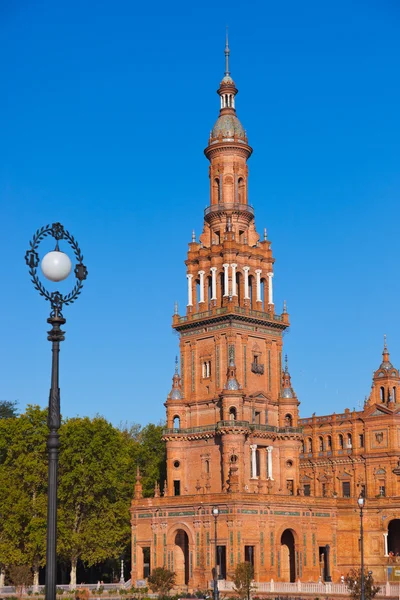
(23, 490)
(161, 581)
(8, 409)
(353, 582)
(151, 457)
(95, 489)
(243, 580)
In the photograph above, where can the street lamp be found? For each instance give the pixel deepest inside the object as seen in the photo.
(56, 266)
(361, 504)
(215, 512)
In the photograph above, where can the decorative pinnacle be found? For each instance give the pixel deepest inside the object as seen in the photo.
(227, 52)
(265, 234)
(193, 236)
(176, 365)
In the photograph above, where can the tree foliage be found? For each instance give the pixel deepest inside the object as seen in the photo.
(243, 580)
(353, 582)
(8, 409)
(161, 581)
(97, 472)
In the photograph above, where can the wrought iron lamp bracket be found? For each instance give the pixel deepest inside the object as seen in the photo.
(56, 299)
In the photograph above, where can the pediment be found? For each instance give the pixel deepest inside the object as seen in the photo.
(345, 475)
(259, 396)
(378, 410)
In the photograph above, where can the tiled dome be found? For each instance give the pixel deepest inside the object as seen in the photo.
(228, 126)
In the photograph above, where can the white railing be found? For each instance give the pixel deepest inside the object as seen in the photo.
(387, 589)
(10, 589)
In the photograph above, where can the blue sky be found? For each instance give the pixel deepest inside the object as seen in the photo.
(105, 111)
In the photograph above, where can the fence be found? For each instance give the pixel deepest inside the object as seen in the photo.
(319, 589)
(9, 589)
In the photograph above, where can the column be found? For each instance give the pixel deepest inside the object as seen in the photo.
(258, 274)
(190, 293)
(328, 577)
(234, 292)
(213, 283)
(385, 544)
(246, 283)
(253, 449)
(270, 295)
(269, 464)
(201, 275)
(226, 276)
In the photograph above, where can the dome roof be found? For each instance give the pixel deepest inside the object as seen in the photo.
(227, 80)
(176, 394)
(287, 393)
(228, 126)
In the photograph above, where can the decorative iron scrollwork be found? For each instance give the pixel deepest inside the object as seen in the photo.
(56, 299)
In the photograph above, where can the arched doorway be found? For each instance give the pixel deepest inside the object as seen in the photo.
(181, 557)
(288, 561)
(394, 536)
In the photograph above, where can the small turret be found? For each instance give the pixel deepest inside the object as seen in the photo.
(385, 380)
(138, 485)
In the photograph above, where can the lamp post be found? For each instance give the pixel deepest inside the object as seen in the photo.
(361, 504)
(56, 266)
(215, 512)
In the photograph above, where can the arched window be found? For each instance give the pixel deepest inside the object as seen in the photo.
(382, 394)
(349, 440)
(207, 466)
(288, 420)
(394, 394)
(216, 191)
(232, 413)
(263, 287)
(206, 368)
(329, 443)
(309, 444)
(209, 290)
(340, 441)
(197, 294)
(238, 287)
(252, 290)
(222, 287)
(241, 190)
(321, 443)
(177, 422)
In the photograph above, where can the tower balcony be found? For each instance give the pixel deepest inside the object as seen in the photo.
(216, 211)
(206, 317)
(207, 431)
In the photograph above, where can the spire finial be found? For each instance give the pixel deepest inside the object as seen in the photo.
(175, 308)
(284, 307)
(265, 234)
(176, 365)
(384, 342)
(286, 364)
(227, 52)
(193, 235)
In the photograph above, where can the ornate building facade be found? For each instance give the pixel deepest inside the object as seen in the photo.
(286, 488)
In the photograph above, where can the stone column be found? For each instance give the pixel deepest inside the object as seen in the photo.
(269, 474)
(234, 292)
(213, 283)
(226, 277)
(190, 292)
(201, 275)
(258, 274)
(253, 449)
(385, 543)
(246, 283)
(270, 291)
(328, 563)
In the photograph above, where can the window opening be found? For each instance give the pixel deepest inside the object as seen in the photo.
(177, 487)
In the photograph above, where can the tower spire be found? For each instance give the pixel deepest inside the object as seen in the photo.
(227, 52)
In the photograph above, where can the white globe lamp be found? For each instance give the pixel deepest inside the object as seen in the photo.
(56, 265)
